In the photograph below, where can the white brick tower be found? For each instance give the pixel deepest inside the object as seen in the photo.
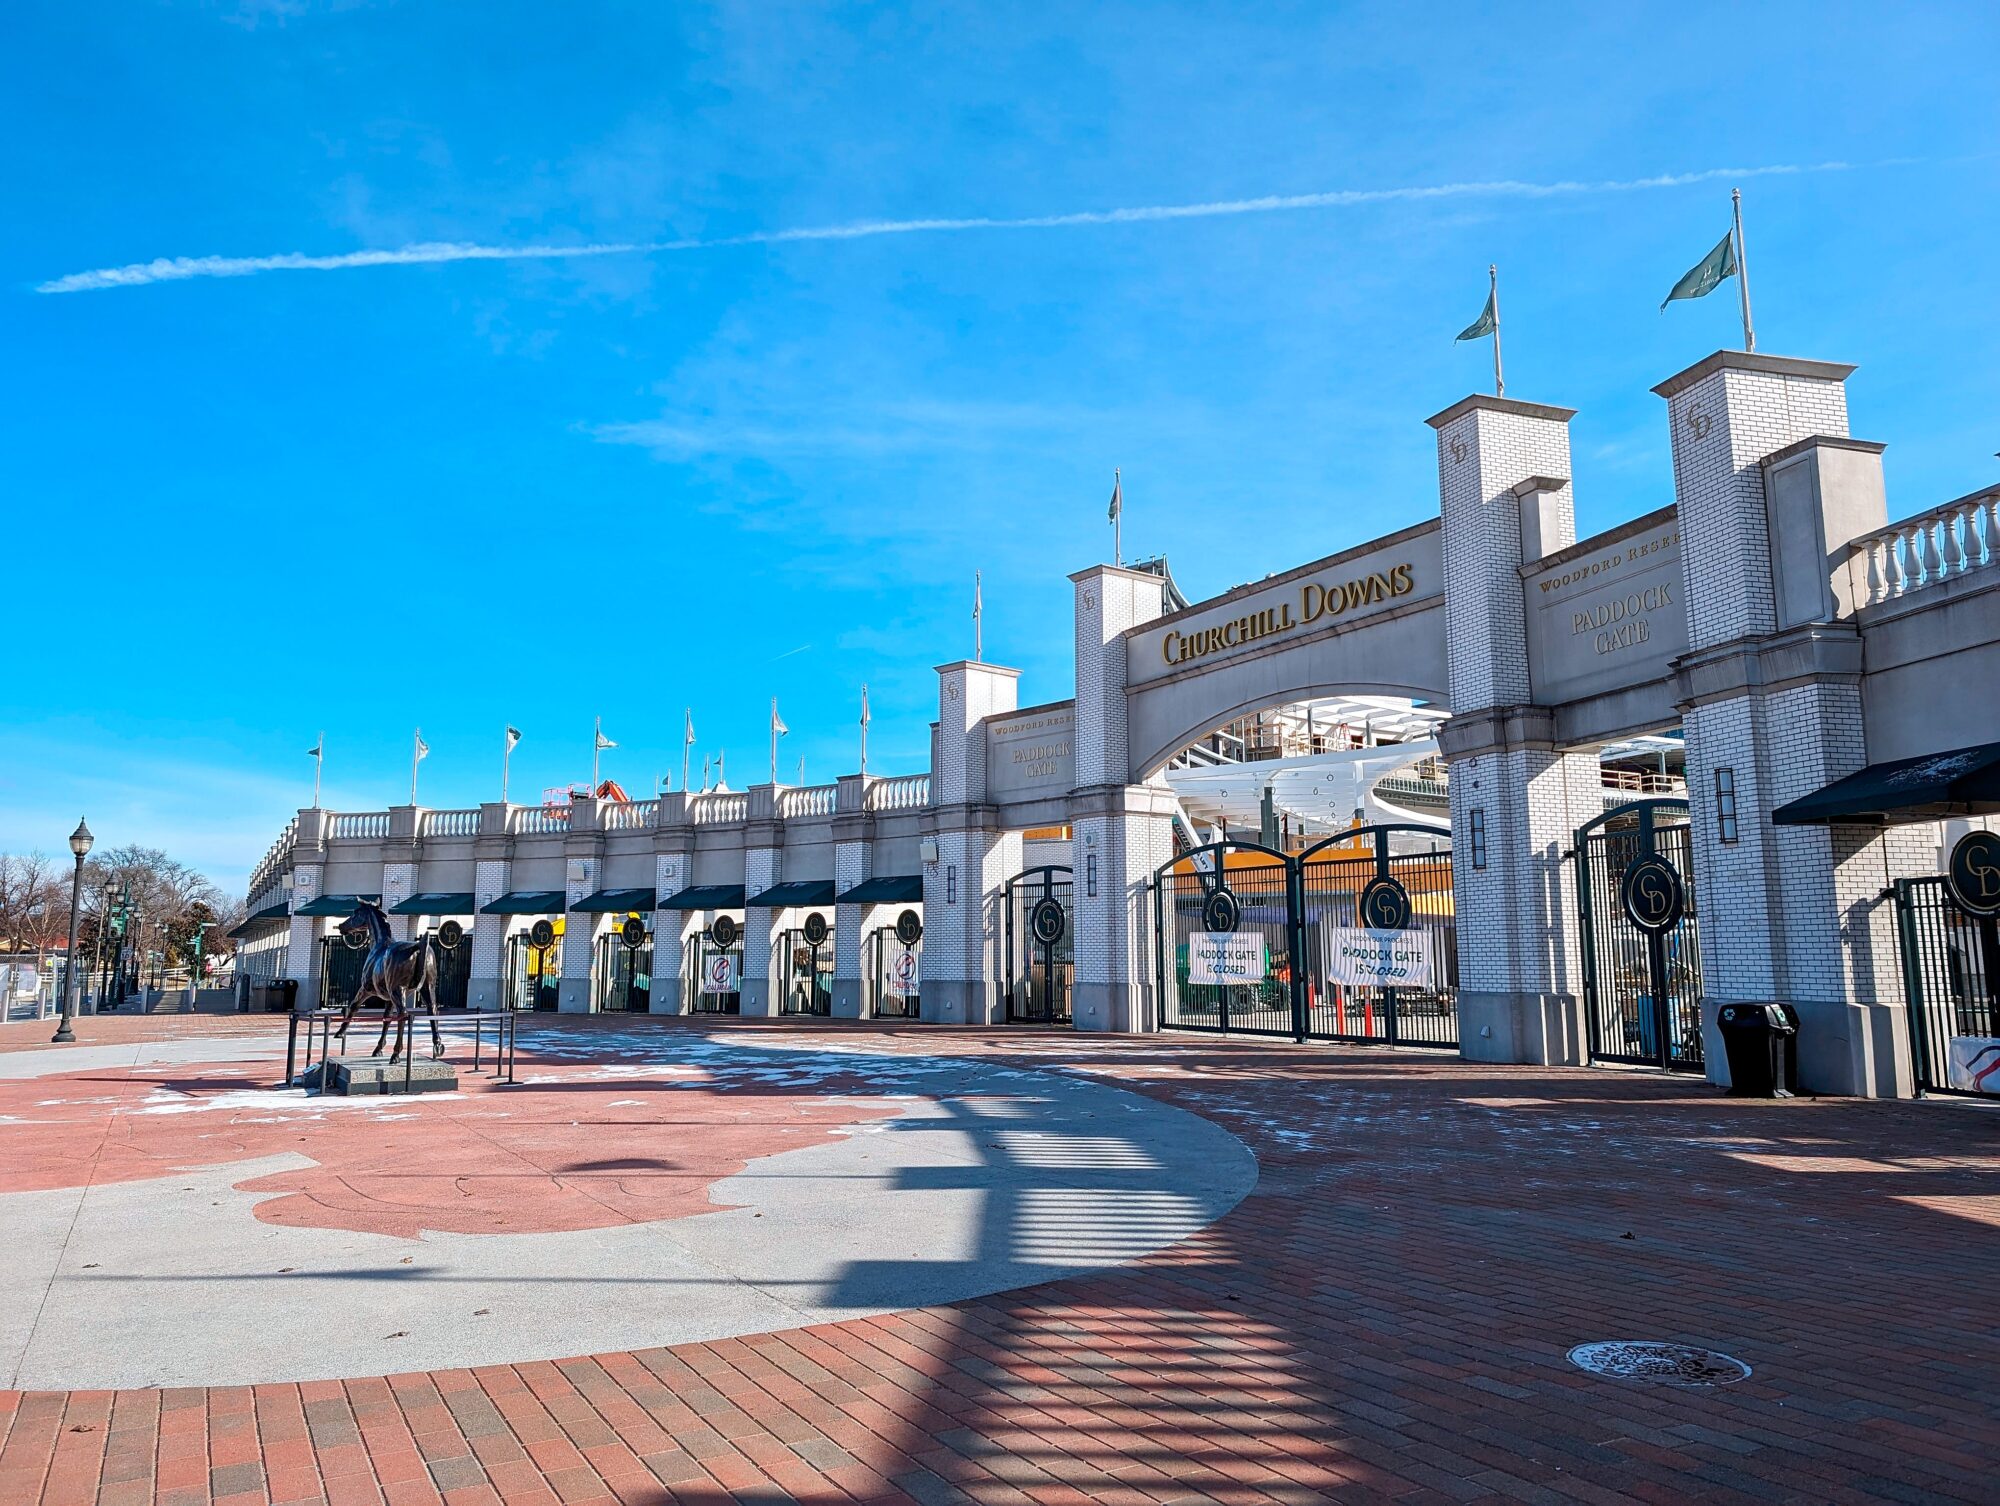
(673, 861)
(853, 865)
(1122, 829)
(1516, 799)
(1770, 691)
(484, 989)
(965, 885)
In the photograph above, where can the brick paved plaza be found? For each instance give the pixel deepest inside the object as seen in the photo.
(1385, 1315)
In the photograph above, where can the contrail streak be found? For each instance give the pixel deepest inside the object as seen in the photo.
(182, 268)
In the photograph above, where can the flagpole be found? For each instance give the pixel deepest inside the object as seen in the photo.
(1499, 381)
(1743, 271)
(978, 644)
(774, 742)
(415, 758)
(506, 759)
(596, 751)
(864, 730)
(687, 749)
(319, 764)
(1117, 521)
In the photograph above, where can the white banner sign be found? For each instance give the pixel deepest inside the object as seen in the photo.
(902, 982)
(720, 974)
(1378, 959)
(1973, 1064)
(1226, 957)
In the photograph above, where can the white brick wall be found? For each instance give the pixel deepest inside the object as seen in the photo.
(1722, 428)
(851, 865)
(489, 932)
(760, 872)
(1109, 601)
(397, 882)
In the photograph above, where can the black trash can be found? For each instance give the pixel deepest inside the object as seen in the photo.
(285, 995)
(1761, 1041)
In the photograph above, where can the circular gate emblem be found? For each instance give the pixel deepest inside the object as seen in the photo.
(1220, 912)
(542, 935)
(450, 934)
(1972, 876)
(1651, 893)
(1045, 921)
(723, 932)
(355, 937)
(909, 928)
(1385, 905)
(815, 929)
(633, 932)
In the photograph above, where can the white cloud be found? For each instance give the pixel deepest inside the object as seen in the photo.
(182, 268)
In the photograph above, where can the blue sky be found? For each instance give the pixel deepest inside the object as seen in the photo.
(472, 492)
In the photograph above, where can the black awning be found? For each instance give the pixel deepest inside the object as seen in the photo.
(1965, 782)
(336, 904)
(269, 915)
(804, 892)
(436, 904)
(706, 897)
(886, 891)
(527, 902)
(616, 901)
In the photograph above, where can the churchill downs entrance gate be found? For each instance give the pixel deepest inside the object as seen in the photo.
(1641, 950)
(1350, 940)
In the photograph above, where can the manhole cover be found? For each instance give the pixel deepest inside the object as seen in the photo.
(1670, 1364)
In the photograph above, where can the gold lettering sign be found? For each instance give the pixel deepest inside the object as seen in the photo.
(1621, 622)
(1317, 600)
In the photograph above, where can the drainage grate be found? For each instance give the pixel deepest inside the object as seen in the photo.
(1669, 1364)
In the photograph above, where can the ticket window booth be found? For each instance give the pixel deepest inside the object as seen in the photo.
(624, 971)
(892, 964)
(805, 967)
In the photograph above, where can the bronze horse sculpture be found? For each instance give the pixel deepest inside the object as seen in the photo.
(393, 973)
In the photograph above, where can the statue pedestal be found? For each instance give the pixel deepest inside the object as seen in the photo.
(369, 1076)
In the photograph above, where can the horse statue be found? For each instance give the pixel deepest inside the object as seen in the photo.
(391, 974)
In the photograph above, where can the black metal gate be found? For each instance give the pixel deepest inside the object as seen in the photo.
(534, 974)
(1236, 888)
(699, 974)
(1251, 941)
(339, 970)
(454, 971)
(624, 974)
(1951, 980)
(1641, 982)
(805, 974)
(1394, 877)
(1041, 946)
(894, 974)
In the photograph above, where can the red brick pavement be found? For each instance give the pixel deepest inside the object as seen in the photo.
(1385, 1317)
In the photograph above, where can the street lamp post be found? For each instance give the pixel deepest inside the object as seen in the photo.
(79, 844)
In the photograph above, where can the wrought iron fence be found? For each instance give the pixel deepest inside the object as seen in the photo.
(1951, 981)
(1642, 991)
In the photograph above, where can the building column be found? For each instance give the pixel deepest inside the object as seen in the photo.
(1517, 796)
(398, 884)
(302, 945)
(1122, 829)
(965, 935)
(486, 987)
(1769, 489)
(670, 927)
(760, 872)
(967, 858)
(584, 854)
(852, 866)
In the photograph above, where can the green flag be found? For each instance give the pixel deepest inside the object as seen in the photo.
(1481, 327)
(1708, 274)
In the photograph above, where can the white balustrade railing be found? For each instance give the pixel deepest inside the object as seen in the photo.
(904, 793)
(628, 815)
(449, 823)
(710, 809)
(528, 820)
(1942, 544)
(275, 859)
(359, 825)
(812, 800)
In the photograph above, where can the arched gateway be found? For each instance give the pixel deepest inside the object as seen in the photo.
(1769, 630)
